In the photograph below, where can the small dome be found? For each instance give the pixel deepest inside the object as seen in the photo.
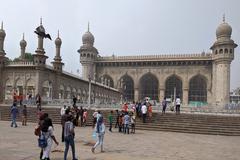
(88, 38)
(23, 43)
(41, 28)
(58, 41)
(224, 30)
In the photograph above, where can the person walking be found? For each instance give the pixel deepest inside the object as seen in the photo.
(110, 120)
(178, 103)
(144, 112)
(47, 133)
(95, 113)
(14, 113)
(126, 123)
(133, 121)
(63, 120)
(150, 112)
(164, 105)
(69, 138)
(117, 119)
(24, 115)
(100, 130)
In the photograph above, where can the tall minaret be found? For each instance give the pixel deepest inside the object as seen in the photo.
(57, 63)
(40, 57)
(88, 54)
(2, 37)
(222, 54)
(23, 45)
(2, 61)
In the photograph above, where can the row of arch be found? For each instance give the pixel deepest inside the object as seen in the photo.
(149, 87)
(220, 51)
(65, 92)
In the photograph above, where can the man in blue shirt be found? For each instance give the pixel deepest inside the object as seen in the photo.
(14, 112)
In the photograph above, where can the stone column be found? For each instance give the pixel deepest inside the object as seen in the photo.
(136, 94)
(161, 94)
(185, 96)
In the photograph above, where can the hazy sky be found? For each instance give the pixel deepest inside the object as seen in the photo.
(122, 27)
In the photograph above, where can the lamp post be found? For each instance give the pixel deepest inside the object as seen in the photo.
(89, 91)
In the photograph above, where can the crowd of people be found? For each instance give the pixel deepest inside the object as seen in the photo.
(71, 117)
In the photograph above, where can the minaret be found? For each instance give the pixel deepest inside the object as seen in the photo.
(40, 57)
(222, 55)
(57, 63)
(88, 55)
(2, 61)
(2, 37)
(23, 45)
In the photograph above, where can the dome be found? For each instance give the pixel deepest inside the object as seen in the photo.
(88, 38)
(23, 43)
(224, 30)
(58, 41)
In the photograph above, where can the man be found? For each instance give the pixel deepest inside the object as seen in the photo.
(126, 123)
(63, 109)
(144, 112)
(110, 119)
(117, 119)
(74, 101)
(164, 105)
(63, 120)
(178, 103)
(69, 138)
(14, 112)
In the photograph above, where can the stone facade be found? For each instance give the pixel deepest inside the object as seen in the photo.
(195, 78)
(51, 82)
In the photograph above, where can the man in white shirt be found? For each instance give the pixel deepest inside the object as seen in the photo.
(144, 112)
(178, 103)
(63, 110)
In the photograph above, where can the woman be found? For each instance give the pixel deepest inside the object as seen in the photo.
(100, 130)
(47, 132)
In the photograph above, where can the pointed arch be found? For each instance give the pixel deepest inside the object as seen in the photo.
(149, 86)
(30, 87)
(19, 86)
(197, 89)
(109, 79)
(173, 83)
(127, 86)
(8, 88)
(47, 89)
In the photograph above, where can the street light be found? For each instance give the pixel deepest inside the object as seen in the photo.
(89, 91)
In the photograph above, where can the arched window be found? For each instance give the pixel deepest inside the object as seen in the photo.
(230, 50)
(216, 52)
(173, 84)
(197, 89)
(221, 51)
(149, 87)
(127, 88)
(225, 50)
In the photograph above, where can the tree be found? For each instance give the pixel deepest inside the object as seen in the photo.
(28, 57)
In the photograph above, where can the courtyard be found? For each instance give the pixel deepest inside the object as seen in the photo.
(21, 144)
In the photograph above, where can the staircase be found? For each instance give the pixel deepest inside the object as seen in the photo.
(227, 125)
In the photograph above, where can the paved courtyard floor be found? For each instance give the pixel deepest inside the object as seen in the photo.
(21, 144)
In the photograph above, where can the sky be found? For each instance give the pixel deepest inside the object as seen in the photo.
(121, 27)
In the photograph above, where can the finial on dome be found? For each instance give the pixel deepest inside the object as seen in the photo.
(58, 34)
(23, 36)
(224, 18)
(88, 27)
(41, 21)
(2, 25)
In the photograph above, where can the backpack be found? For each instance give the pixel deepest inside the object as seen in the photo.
(42, 141)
